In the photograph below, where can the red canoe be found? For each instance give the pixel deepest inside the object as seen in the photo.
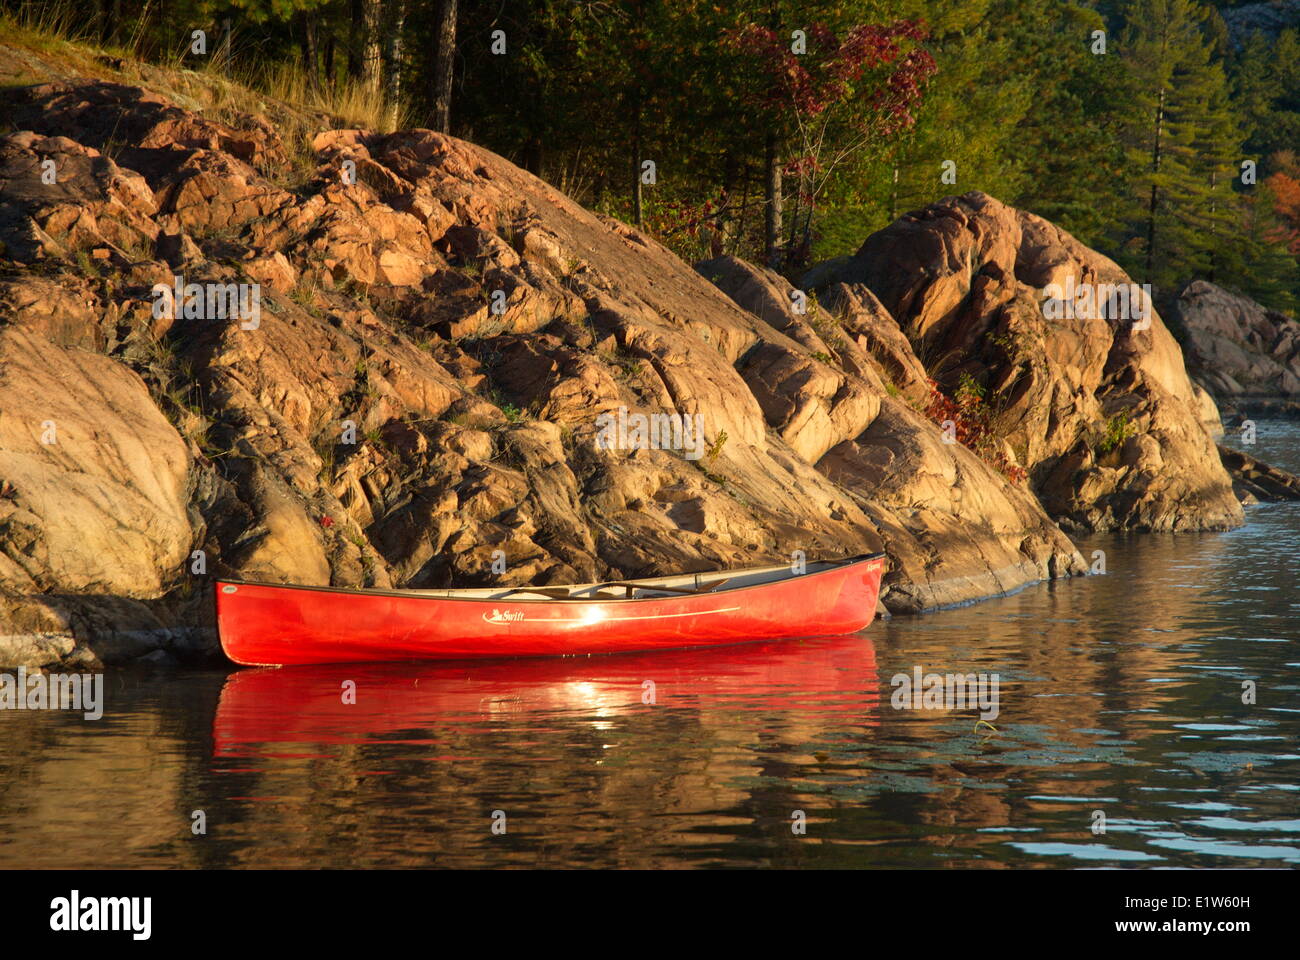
(263, 624)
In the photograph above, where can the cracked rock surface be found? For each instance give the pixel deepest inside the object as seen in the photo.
(438, 333)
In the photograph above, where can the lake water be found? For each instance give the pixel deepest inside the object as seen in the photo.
(1120, 697)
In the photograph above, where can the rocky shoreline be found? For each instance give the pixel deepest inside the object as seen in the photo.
(438, 331)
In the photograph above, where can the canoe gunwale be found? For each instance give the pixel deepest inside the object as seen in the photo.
(836, 565)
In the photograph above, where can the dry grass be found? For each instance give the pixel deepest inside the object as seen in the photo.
(348, 104)
(216, 84)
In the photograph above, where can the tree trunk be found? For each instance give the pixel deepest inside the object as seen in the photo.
(223, 51)
(636, 163)
(805, 241)
(771, 203)
(741, 218)
(307, 40)
(440, 78)
(1155, 169)
(394, 19)
(371, 52)
(108, 16)
(1214, 209)
(356, 38)
(534, 154)
(329, 59)
(725, 223)
(794, 216)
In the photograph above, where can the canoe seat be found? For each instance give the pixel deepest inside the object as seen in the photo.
(632, 585)
(562, 593)
(598, 592)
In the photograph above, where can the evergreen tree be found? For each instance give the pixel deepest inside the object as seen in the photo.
(1266, 92)
(970, 117)
(1181, 140)
(1257, 261)
(1069, 144)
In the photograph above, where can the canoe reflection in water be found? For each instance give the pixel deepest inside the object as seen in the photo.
(824, 679)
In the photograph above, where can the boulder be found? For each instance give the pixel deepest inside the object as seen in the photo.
(95, 477)
(1095, 404)
(1236, 347)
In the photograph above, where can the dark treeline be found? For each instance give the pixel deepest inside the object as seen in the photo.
(788, 130)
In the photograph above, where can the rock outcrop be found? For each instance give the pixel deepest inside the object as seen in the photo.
(1246, 356)
(1270, 18)
(1095, 404)
(949, 521)
(417, 395)
(1254, 480)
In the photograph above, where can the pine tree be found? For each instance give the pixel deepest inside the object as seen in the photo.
(969, 117)
(1182, 141)
(1266, 91)
(1072, 157)
(1258, 262)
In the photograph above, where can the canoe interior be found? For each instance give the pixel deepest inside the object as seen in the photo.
(721, 581)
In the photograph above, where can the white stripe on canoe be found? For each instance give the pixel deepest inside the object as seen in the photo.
(654, 616)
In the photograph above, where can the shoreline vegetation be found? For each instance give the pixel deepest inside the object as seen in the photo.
(440, 332)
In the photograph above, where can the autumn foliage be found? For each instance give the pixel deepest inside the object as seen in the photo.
(1285, 184)
(831, 97)
(812, 83)
(968, 418)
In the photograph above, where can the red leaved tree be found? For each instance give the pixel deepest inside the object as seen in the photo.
(1285, 185)
(837, 97)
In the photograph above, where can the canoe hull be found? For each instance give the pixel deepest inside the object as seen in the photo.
(274, 625)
